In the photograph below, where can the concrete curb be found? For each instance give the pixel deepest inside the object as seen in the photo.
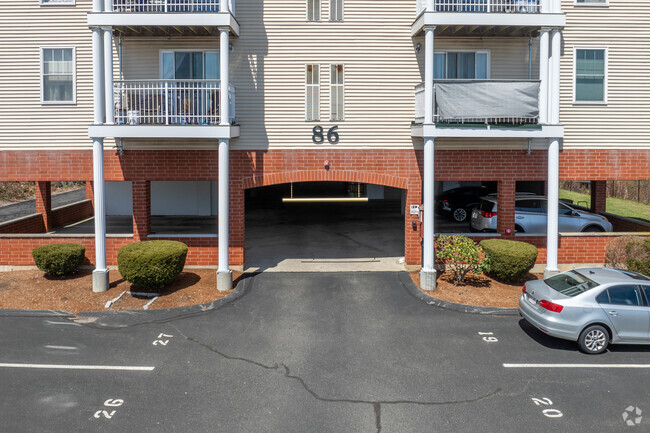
(461, 308)
(127, 318)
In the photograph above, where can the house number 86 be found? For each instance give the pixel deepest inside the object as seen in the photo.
(318, 138)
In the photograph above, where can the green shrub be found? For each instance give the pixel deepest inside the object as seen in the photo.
(639, 257)
(151, 264)
(59, 259)
(616, 251)
(461, 255)
(509, 259)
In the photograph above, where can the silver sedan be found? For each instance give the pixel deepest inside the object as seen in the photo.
(592, 306)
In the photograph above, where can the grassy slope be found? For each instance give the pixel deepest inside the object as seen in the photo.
(618, 206)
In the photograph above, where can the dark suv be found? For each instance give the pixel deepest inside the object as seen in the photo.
(457, 203)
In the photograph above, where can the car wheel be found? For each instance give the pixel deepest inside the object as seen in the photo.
(592, 229)
(459, 215)
(593, 340)
(519, 229)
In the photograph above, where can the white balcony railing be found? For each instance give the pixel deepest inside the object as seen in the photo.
(481, 101)
(170, 102)
(170, 6)
(483, 6)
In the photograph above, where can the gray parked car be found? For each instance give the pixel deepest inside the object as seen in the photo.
(593, 306)
(530, 216)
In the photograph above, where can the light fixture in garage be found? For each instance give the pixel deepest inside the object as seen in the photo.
(293, 199)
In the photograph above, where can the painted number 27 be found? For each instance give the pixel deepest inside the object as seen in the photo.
(161, 342)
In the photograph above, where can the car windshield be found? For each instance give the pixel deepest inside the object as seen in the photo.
(570, 283)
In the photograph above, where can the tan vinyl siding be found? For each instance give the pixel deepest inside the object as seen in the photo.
(624, 29)
(25, 26)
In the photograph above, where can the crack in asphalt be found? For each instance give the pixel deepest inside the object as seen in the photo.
(376, 404)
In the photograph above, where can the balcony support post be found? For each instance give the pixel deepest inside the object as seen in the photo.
(224, 275)
(100, 274)
(98, 5)
(428, 271)
(224, 54)
(552, 207)
(108, 75)
(554, 94)
(224, 6)
(430, 6)
(543, 76)
(108, 5)
(428, 74)
(545, 6)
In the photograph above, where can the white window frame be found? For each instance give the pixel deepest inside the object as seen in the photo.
(319, 9)
(317, 89)
(162, 52)
(591, 4)
(486, 52)
(333, 11)
(332, 87)
(575, 66)
(57, 3)
(74, 75)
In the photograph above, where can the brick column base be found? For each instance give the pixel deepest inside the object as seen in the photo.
(141, 209)
(506, 208)
(598, 196)
(44, 203)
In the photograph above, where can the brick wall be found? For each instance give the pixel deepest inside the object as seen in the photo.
(28, 224)
(71, 213)
(398, 168)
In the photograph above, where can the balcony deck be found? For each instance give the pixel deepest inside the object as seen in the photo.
(169, 108)
(167, 17)
(485, 17)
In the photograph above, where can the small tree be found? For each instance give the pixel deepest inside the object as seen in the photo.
(461, 255)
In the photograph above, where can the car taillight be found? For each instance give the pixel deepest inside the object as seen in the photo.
(523, 290)
(488, 214)
(550, 306)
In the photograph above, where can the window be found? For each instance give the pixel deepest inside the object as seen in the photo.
(532, 205)
(336, 92)
(603, 298)
(58, 75)
(592, 2)
(313, 10)
(463, 64)
(590, 83)
(312, 92)
(624, 295)
(336, 10)
(57, 2)
(189, 65)
(564, 210)
(570, 283)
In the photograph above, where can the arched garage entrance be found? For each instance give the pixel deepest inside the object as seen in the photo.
(324, 235)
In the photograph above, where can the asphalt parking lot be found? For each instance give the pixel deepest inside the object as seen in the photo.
(345, 352)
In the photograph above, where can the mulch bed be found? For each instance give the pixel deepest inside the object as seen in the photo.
(479, 290)
(33, 290)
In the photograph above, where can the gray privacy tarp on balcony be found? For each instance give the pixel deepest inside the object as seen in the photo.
(486, 99)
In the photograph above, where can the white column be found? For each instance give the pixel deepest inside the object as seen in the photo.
(430, 6)
(98, 76)
(554, 96)
(224, 51)
(224, 275)
(225, 6)
(98, 5)
(545, 6)
(108, 75)
(428, 271)
(108, 5)
(100, 274)
(543, 76)
(428, 74)
(552, 205)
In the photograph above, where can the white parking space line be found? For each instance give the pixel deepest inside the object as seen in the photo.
(50, 346)
(77, 367)
(576, 365)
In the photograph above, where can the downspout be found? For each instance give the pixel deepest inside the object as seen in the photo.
(530, 57)
(119, 50)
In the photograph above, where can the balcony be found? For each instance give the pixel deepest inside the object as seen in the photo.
(169, 109)
(167, 17)
(482, 108)
(487, 17)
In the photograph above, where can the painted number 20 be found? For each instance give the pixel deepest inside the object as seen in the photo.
(318, 138)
